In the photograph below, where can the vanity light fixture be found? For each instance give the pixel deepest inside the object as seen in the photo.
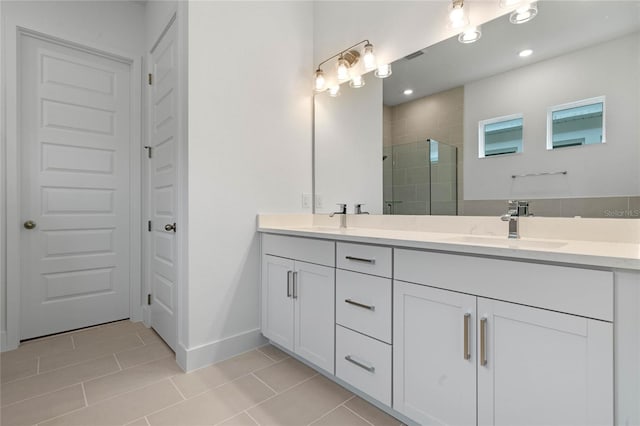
(470, 35)
(524, 53)
(383, 71)
(347, 59)
(408, 92)
(458, 14)
(334, 91)
(524, 13)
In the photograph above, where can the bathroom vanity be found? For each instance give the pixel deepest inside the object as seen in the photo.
(443, 320)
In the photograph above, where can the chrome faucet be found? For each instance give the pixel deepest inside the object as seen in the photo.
(516, 209)
(357, 209)
(343, 215)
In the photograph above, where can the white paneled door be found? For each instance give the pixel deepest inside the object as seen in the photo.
(75, 140)
(162, 154)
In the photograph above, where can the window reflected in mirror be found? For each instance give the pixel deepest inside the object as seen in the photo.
(500, 136)
(577, 123)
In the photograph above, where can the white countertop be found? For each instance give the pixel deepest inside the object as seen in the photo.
(487, 242)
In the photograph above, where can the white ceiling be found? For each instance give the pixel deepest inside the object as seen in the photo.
(560, 27)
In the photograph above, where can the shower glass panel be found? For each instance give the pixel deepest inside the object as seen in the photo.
(420, 178)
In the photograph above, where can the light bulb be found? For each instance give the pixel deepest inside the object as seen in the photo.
(408, 92)
(334, 91)
(509, 3)
(319, 82)
(383, 71)
(525, 53)
(524, 14)
(470, 35)
(458, 16)
(342, 69)
(356, 82)
(368, 57)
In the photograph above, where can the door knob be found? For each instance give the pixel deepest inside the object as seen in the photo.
(29, 224)
(170, 227)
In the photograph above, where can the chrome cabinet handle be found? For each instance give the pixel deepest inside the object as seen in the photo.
(483, 341)
(295, 285)
(360, 305)
(369, 368)
(467, 350)
(360, 259)
(289, 273)
(29, 224)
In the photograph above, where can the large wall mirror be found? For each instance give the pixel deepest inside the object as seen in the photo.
(460, 128)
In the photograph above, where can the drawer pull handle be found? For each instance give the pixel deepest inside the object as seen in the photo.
(289, 273)
(360, 305)
(295, 285)
(483, 341)
(369, 368)
(467, 321)
(360, 259)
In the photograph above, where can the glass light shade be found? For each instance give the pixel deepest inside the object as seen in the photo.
(383, 71)
(356, 81)
(368, 57)
(342, 69)
(470, 35)
(505, 4)
(524, 14)
(458, 15)
(319, 81)
(334, 91)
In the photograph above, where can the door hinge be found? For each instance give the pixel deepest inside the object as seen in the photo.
(148, 148)
(148, 299)
(150, 79)
(149, 228)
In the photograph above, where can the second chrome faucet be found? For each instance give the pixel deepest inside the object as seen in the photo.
(516, 209)
(357, 209)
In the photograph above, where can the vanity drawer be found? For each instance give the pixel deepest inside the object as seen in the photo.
(321, 252)
(364, 363)
(577, 291)
(372, 260)
(363, 303)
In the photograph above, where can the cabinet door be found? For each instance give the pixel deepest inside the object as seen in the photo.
(277, 300)
(543, 367)
(434, 361)
(314, 312)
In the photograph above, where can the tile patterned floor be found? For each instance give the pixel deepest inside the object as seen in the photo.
(123, 374)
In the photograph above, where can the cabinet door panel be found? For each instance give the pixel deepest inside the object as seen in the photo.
(433, 381)
(277, 306)
(543, 367)
(315, 314)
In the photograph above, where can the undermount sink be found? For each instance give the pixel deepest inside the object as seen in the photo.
(509, 243)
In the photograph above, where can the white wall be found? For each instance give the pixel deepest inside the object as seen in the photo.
(598, 170)
(90, 23)
(249, 152)
(348, 140)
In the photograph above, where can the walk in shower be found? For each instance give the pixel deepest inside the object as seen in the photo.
(420, 178)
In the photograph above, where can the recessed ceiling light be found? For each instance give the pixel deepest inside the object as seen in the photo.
(525, 53)
(408, 92)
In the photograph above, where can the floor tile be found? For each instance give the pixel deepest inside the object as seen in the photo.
(225, 371)
(273, 352)
(139, 422)
(143, 354)
(285, 374)
(341, 417)
(241, 419)
(44, 407)
(131, 378)
(109, 331)
(372, 414)
(13, 369)
(149, 336)
(40, 347)
(302, 404)
(214, 406)
(123, 408)
(47, 382)
(87, 352)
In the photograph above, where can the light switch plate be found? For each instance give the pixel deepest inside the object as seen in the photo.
(306, 201)
(318, 201)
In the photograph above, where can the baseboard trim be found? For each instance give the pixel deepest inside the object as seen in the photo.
(146, 316)
(4, 344)
(190, 359)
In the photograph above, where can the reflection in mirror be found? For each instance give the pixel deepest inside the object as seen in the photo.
(499, 136)
(442, 92)
(576, 123)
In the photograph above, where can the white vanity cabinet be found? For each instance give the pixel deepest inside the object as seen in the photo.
(533, 365)
(298, 297)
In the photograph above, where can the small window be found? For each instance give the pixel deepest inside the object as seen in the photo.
(500, 135)
(576, 123)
